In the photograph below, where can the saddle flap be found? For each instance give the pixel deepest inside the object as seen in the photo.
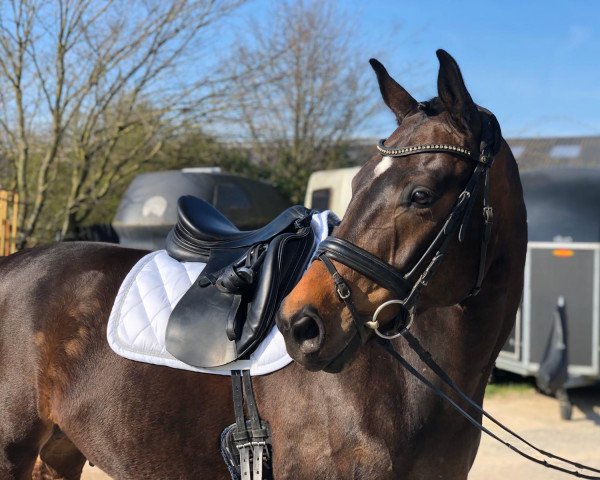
(197, 329)
(211, 326)
(286, 260)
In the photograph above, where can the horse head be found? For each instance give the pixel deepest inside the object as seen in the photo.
(412, 240)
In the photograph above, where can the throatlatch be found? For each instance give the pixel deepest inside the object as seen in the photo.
(246, 445)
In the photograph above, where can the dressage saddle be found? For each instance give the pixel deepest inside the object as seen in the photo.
(231, 307)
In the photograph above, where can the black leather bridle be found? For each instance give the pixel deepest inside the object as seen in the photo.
(408, 286)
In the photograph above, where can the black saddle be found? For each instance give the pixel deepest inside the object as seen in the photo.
(230, 308)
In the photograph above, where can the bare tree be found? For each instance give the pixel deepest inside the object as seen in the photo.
(301, 88)
(86, 87)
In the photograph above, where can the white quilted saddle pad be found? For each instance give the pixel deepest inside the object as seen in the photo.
(150, 291)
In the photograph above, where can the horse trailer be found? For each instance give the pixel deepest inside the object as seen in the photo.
(148, 209)
(330, 190)
(563, 260)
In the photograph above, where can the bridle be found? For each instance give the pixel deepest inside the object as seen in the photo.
(408, 286)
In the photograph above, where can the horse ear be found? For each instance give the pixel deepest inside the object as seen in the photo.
(453, 93)
(395, 97)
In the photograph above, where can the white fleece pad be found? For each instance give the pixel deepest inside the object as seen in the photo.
(150, 291)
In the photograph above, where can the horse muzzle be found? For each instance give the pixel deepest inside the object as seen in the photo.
(308, 333)
(305, 340)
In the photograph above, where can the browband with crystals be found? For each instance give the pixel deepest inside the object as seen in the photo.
(405, 151)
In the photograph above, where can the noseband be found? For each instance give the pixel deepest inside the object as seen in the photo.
(407, 286)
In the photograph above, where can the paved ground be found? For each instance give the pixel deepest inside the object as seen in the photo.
(537, 418)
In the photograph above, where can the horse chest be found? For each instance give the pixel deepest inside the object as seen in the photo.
(321, 429)
(363, 458)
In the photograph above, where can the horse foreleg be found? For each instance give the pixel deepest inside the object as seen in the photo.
(59, 459)
(22, 429)
(21, 434)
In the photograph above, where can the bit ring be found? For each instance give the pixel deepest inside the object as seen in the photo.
(374, 324)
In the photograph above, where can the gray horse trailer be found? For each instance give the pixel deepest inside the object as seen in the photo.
(563, 260)
(148, 209)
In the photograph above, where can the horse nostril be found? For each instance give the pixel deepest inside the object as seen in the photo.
(308, 333)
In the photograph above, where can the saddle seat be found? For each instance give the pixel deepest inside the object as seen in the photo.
(231, 306)
(201, 227)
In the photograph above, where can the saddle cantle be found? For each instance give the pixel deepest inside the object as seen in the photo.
(231, 306)
(201, 228)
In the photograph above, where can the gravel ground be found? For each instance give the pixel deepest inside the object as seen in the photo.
(537, 418)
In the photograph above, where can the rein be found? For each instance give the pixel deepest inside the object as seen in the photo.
(427, 358)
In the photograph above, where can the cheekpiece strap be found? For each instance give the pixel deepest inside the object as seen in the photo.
(486, 157)
(344, 292)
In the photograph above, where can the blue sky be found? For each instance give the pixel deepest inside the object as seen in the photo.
(535, 64)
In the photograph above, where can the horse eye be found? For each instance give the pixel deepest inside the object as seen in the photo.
(421, 197)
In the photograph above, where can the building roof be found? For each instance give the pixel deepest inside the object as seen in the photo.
(532, 153)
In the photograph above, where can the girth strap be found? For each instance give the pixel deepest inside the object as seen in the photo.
(241, 435)
(251, 437)
(258, 433)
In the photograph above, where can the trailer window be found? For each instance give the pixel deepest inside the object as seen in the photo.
(320, 199)
(229, 196)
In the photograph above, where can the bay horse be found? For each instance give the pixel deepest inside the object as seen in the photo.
(352, 412)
